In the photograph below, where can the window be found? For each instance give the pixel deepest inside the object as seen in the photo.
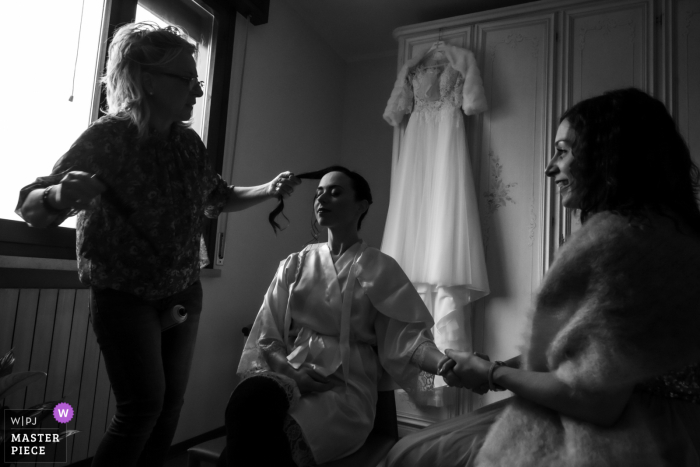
(41, 123)
(198, 22)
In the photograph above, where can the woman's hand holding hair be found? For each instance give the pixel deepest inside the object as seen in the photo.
(282, 185)
(243, 197)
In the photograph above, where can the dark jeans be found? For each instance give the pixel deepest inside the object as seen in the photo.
(148, 370)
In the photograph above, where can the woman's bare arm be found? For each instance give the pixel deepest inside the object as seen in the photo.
(601, 407)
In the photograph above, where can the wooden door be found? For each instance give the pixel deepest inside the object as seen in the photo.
(605, 45)
(513, 144)
(684, 71)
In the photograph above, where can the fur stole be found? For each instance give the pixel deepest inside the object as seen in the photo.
(621, 304)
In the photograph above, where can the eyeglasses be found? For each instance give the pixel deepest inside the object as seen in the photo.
(191, 82)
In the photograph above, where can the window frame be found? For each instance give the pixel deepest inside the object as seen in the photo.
(19, 240)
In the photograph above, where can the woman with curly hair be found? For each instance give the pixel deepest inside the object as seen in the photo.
(610, 370)
(141, 185)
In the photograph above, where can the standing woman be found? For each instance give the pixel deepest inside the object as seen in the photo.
(610, 372)
(139, 181)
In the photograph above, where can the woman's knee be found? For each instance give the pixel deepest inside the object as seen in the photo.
(256, 397)
(137, 418)
(141, 407)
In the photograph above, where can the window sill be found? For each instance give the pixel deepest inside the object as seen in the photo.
(23, 262)
(19, 272)
(210, 273)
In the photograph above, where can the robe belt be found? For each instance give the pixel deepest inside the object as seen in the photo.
(320, 352)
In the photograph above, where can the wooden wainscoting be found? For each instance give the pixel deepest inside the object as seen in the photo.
(50, 331)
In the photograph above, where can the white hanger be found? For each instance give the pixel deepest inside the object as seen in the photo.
(436, 47)
(437, 44)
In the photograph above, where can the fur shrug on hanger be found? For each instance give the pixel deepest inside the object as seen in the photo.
(473, 95)
(620, 305)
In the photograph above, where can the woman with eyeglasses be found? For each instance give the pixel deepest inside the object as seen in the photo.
(140, 183)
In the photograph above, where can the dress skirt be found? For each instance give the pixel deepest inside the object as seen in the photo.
(451, 443)
(456, 442)
(433, 228)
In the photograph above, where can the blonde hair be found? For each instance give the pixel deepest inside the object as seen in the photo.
(135, 48)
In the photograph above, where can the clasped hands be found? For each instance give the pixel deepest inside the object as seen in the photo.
(469, 370)
(309, 380)
(460, 369)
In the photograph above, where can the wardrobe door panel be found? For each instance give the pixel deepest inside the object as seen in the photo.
(516, 58)
(686, 72)
(607, 45)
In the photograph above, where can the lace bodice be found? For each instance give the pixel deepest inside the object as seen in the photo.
(456, 82)
(435, 87)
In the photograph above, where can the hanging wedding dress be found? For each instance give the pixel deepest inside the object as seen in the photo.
(433, 229)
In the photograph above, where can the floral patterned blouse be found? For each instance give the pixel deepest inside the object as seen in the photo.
(142, 235)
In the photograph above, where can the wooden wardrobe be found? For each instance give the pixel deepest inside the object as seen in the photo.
(536, 60)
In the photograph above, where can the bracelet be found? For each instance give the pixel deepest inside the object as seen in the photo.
(492, 385)
(46, 203)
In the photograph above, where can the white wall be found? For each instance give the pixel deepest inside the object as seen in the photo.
(367, 139)
(302, 108)
(290, 119)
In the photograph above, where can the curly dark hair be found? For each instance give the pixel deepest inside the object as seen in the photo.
(358, 182)
(629, 157)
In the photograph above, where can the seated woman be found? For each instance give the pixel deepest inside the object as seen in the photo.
(609, 373)
(336, 318)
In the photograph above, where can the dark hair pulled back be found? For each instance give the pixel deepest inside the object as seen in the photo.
(359, 185)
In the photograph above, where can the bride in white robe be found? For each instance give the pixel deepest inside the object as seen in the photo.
(339, 319)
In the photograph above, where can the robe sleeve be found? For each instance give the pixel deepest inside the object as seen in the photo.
(632, 296)
(269, 323)
(403, 322)
(473, 95)
(401, 99)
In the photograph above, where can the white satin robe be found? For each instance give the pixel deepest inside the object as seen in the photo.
(351, 320)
